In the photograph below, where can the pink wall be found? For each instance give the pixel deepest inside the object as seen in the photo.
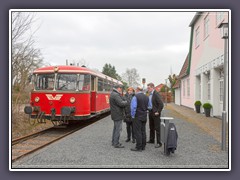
(213, 40)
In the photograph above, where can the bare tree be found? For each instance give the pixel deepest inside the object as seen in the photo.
(21, 23)
(131, 77)
(172, 79)
(25, 57)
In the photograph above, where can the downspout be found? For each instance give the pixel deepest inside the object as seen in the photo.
(190, 51)
(195, 18)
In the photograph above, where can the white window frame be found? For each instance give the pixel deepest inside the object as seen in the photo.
(188, 87)
(197, 36)
(206, 26)
(184, 88)
(219, 17)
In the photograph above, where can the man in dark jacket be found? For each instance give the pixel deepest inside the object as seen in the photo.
(117, 104)
(155, 108)
(139, 107)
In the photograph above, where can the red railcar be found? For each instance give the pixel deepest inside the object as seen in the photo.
(64, 93)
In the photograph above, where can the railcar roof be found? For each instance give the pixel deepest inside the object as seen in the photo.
(73, 69)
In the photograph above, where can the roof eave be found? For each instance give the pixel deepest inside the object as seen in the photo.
(195, 18)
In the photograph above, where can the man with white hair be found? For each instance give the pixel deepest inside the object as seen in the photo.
(139, 107)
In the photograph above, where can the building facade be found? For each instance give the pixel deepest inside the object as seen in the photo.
(204, 78)
(180, 92)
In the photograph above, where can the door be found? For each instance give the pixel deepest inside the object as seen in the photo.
(93, 94)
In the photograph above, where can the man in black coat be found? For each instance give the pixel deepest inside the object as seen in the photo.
(155, 108)
(117, 104)
(139, 107)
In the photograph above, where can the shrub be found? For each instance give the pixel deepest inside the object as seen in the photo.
(198, 103)
(207, 106)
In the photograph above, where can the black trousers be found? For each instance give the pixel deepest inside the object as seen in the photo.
(154, 125)
(139, 129)
(129, 127)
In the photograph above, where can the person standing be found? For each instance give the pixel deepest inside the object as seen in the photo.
(155, 108)
(139, 107)
(117, 105)
(128, 119)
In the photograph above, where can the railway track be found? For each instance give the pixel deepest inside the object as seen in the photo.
(28, 144)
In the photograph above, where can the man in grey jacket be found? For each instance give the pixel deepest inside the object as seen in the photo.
(117, 104)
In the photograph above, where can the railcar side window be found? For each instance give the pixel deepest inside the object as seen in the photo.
(100, 84)
(107, 85)
(66, 82)
(114, 84)
(84, 82)
(111, 86)
(44, 82)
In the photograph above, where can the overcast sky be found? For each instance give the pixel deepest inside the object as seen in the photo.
(155, 43)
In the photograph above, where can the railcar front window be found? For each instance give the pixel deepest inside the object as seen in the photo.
(66, 82)
(84, 82)
(44, 82)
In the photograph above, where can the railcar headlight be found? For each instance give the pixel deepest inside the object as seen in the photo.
(37, 99)
(72, 100)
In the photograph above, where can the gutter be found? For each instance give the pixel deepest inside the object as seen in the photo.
(195, 18)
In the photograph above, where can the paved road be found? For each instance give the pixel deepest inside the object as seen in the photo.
(91, 148)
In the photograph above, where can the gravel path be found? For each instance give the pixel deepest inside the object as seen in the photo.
(90, 147)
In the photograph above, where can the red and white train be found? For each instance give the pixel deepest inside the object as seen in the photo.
(64, 93)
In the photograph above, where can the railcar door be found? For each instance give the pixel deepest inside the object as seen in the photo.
(93, 94)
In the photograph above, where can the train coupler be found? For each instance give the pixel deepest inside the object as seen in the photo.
(67, 111)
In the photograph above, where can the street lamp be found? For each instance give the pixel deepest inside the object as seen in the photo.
(224, 34)
(224, 30)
